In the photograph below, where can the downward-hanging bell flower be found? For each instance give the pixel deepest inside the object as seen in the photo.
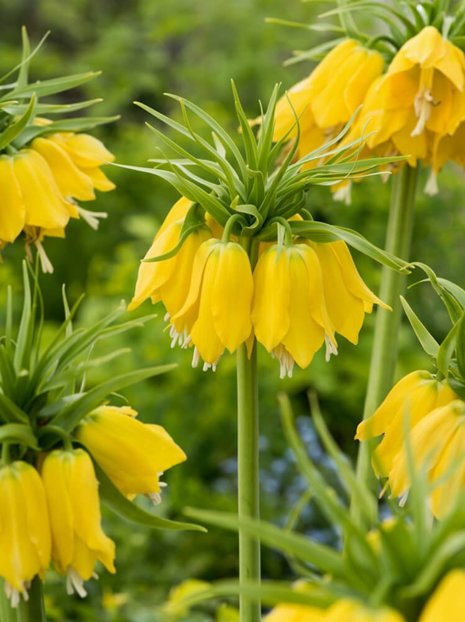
(438, 444)
(216, 312)
(289, 313)
(295, 613)
(328, 98)
(169, 280)
(78, 541)
(347, 610)
(132, 454)
(411, 400)
(347, 297)
(25, 541)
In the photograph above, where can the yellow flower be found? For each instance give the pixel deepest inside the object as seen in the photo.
(289, 313)
(438, 444)
(30, 195)
(86, 153)
(329, 96)
(350, 611)
(420, 99)
(447, 603)
(346, 295)
(169, 280)
(78, 541)
(25, 541)
(131, 453)
(414, 396)
(216, 312)
(295, 613)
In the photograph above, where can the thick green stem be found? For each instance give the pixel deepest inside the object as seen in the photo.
(33, 610)
(248, 476)
(384, 354)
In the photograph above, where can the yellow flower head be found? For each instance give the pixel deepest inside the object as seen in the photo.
(419, 100)
(131, 453)
(346, 295)
(289, 313)
(216, 312)
(78, 541)
(438, 444)
(25, 541)
(350, 611)
(413, 397)
(169, 280)
(329, 96)
(447, 602)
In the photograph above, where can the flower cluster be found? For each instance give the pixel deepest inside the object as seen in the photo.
(41, 182)
(46, 164)
(412, 100)
(51, 511)
(295, 298)
(433, 415)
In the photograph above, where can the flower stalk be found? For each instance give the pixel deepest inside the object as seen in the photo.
(384, 354)
(32, 610)
(248, 476)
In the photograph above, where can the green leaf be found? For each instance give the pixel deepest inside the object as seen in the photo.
(323, 557)
(70, 416)
(50, 87)
(427, 341)
(10, 412)
(20, 433)
(460, 346)
(13, 130)
(128, 510)
(447, 349)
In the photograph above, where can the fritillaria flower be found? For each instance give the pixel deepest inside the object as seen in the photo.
(78, 541)
(25, 540)
(131, 453)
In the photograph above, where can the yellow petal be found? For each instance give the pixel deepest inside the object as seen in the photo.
(232, 296)
(270, 307)
(13, 210)
(447, 602)
(70, 180)
(85, 150)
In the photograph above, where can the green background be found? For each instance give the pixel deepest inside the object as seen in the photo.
(193, 48)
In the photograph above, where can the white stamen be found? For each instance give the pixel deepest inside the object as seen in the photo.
(91, 218)
(286, 362)
(195, 358)
(431, 187)
(155, 497)
(207, 366)
(45, 262)
(331, 348)
(75, 583)
(14, 595)
(423, 104)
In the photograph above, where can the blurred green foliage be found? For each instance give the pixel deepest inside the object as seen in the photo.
(194, 48)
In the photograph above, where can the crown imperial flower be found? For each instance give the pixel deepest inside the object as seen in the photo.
(78, 541)
(132, 454)
(25, 541)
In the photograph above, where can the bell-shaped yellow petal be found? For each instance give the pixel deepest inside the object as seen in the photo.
(78, 541)
(447, 602)
(25, 539)
(70, 180)
(13, 209)
(295, 613)
(270, 307)
(45, 206)
(347, 610)
(131, 453)
(86, 151)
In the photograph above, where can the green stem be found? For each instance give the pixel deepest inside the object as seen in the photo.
(7, 613)
(384, 354)
(248, 476)
(33, 610)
